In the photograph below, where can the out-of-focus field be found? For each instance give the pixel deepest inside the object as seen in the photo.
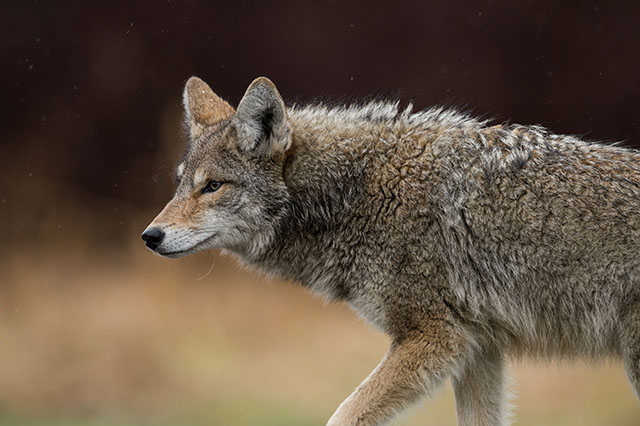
(128, 338)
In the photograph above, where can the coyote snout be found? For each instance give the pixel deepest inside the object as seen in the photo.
(152, 237)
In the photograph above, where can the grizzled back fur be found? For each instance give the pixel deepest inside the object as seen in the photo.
(465, 242)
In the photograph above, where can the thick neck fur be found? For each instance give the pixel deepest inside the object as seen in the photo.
(328, 173)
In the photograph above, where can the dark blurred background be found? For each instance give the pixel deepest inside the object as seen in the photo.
(91, 93)
(91, 130)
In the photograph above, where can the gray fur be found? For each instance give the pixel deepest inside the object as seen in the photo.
(465, 243)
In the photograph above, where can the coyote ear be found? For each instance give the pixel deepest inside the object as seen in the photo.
(261, 120)
(202, 107)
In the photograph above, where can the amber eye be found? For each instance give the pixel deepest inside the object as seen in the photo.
(211, 186)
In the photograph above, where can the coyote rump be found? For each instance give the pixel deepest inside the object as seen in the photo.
(465, 243)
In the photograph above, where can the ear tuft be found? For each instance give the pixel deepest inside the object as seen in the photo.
(203, 107)
(261, 120)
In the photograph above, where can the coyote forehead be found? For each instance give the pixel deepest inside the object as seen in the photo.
(180, 171)
(199, 177)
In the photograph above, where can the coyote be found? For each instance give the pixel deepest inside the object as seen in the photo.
(466, 243)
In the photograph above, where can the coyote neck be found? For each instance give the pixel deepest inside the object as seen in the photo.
(324, 180)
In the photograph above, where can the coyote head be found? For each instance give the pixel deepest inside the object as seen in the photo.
(231, 192)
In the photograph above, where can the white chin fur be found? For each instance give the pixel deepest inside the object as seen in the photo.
(173, 252)
(175, 255)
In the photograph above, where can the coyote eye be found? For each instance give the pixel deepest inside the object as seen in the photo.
(211, 186)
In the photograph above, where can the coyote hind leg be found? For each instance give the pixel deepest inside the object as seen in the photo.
(479, 391)
(630, 344)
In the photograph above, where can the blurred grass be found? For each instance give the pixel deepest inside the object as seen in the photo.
(133, 339)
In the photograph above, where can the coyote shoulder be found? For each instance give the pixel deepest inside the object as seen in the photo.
(465, 243)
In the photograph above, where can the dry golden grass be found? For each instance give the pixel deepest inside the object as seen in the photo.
(130, 338)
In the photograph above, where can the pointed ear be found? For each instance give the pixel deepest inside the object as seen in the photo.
(202, 107)
(261, 120)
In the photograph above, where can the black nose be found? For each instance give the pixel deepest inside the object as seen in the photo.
(152, 237)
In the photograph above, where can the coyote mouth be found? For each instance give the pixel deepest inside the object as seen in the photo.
(181, 253)
(174, 254)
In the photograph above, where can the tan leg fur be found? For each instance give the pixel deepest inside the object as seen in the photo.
(410, 369)
(479, 391)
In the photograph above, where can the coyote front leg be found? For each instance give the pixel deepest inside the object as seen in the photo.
(411, 368)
